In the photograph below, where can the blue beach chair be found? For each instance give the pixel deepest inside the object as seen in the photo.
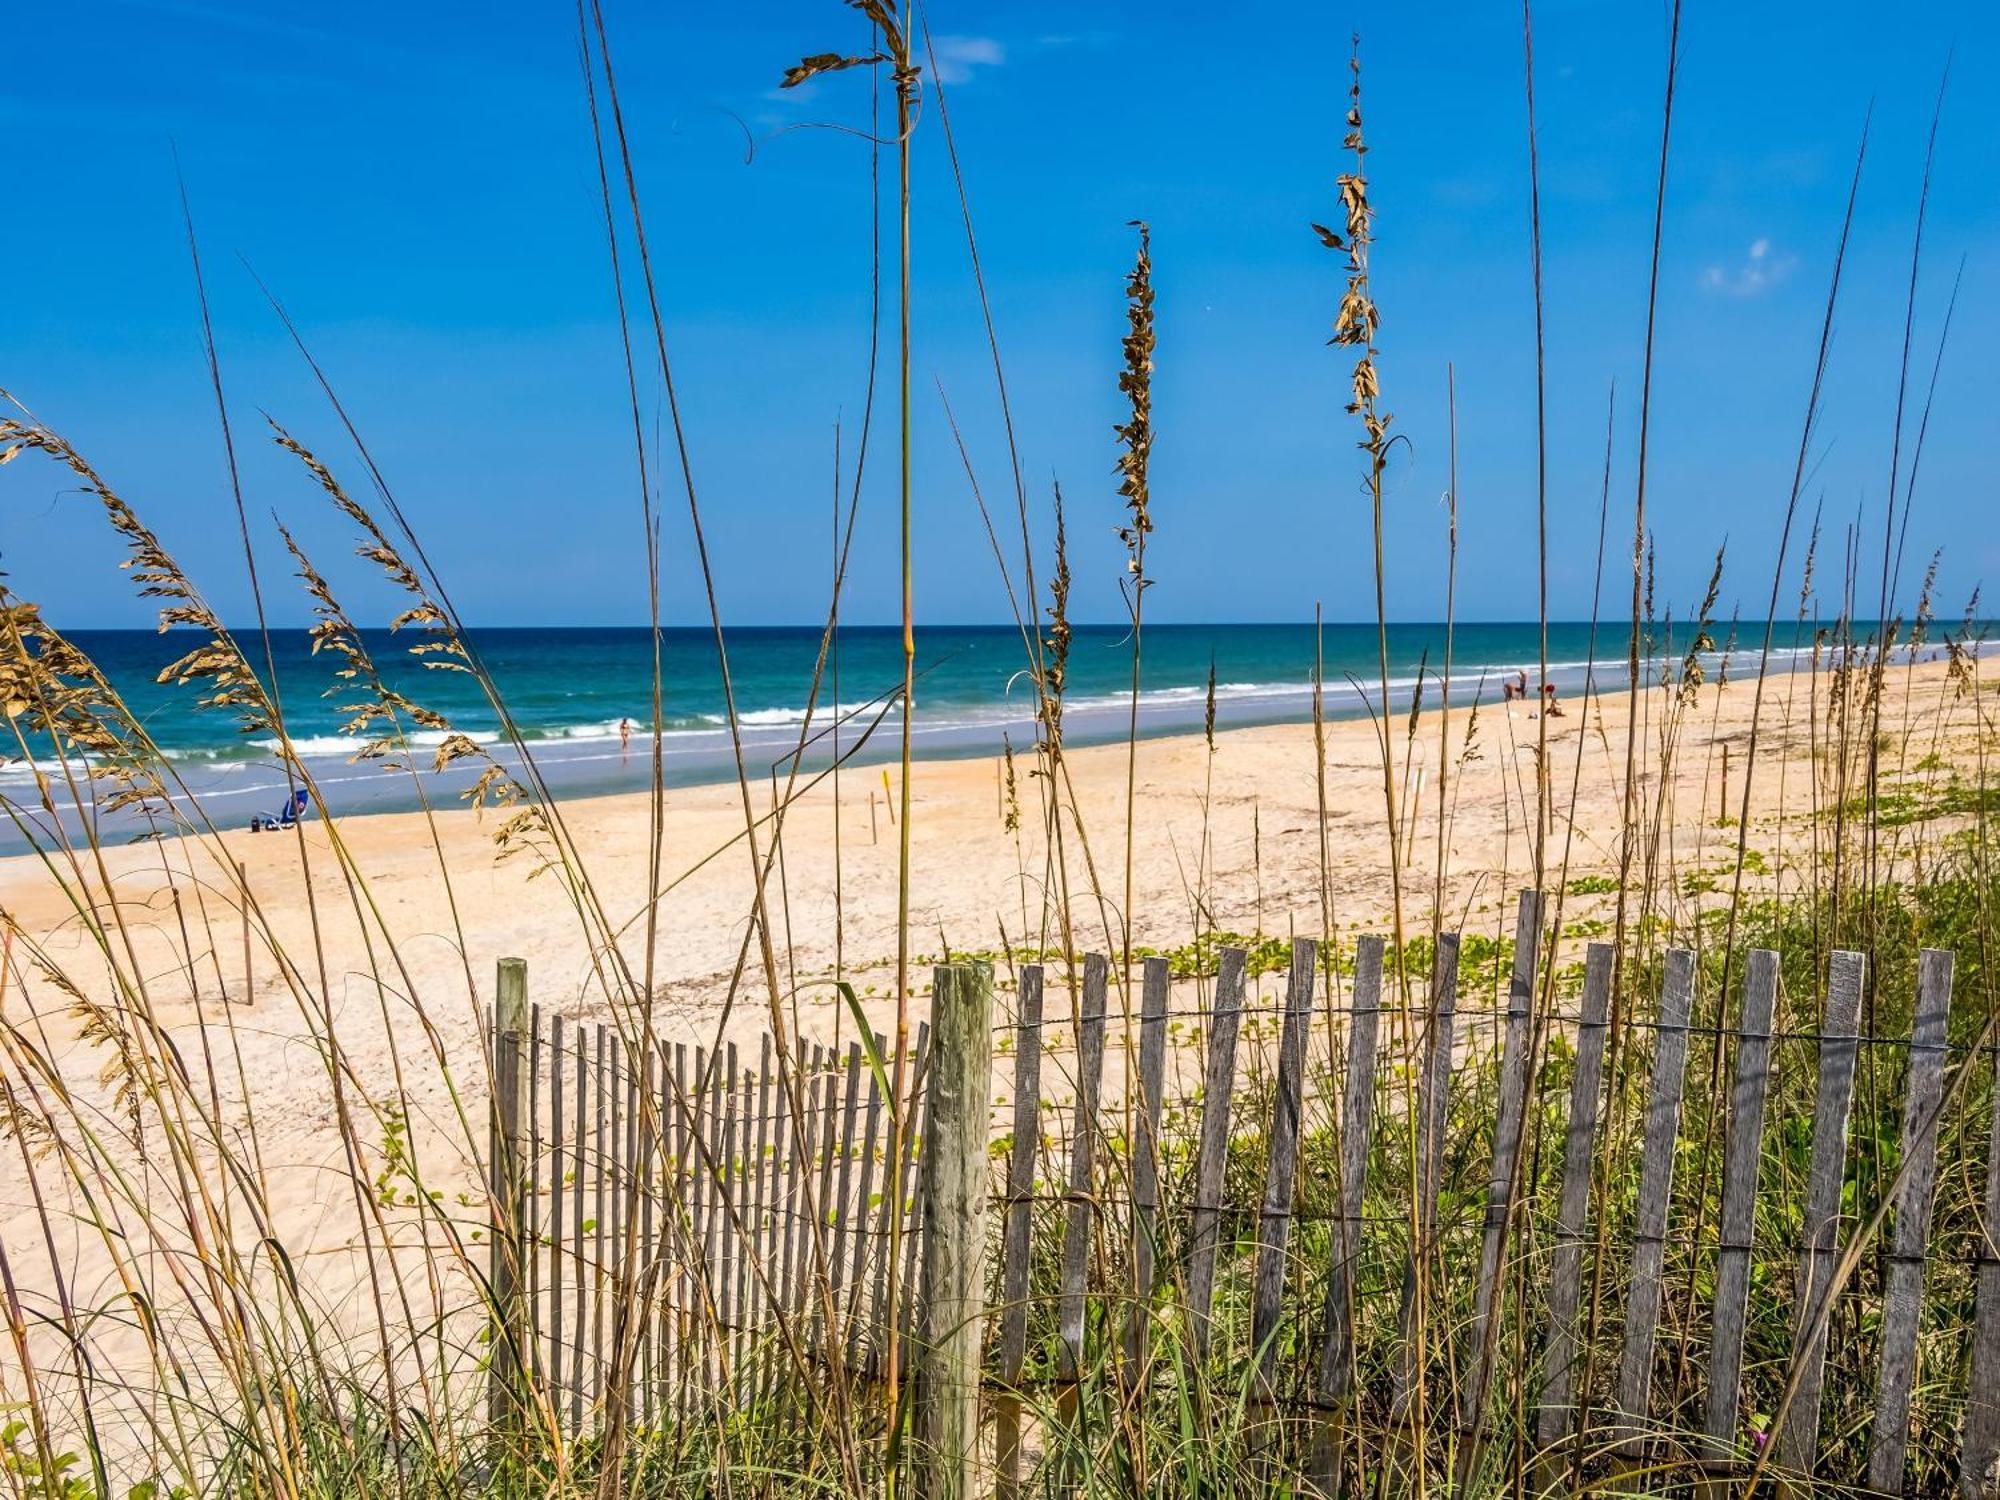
(285, 817)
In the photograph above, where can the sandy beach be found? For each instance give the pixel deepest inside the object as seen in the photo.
(389, 972)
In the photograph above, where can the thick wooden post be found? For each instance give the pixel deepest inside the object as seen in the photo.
(509, 1197)
(953, 1284)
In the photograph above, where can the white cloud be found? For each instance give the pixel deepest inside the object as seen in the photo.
(1762, 267)
(958, 56)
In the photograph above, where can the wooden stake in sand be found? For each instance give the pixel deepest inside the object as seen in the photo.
(249, 980)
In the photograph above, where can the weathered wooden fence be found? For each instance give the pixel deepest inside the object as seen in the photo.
(1381, 1200)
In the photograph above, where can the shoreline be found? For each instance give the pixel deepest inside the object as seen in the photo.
(1235, 829)
(585, 767)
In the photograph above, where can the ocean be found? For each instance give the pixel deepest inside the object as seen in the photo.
(569, 689)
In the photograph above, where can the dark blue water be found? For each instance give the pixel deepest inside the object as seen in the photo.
(569, 689)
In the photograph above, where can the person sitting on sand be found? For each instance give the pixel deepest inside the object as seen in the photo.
(1549, 705)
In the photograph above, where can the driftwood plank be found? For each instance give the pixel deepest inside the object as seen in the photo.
(1742, 1155)
(1502, 1179)
(1218, 1083)
(1016, 1243)
(1274, 1218)
(1903, 1284)
(1082, 1165)
(1146, 1155)
(1433, 1091)
(1980, 1456)
(1553, 1419)
(1798, 1436)
(1656, 1187)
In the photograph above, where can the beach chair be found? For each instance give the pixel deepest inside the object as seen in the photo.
(284, 817)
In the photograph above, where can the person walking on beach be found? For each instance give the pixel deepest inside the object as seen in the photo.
(624, 739)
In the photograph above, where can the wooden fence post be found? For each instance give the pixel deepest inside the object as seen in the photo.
(953, 1284)
(509, 1197)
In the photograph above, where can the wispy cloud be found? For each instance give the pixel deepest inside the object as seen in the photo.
(1762, 267)
(958, 57)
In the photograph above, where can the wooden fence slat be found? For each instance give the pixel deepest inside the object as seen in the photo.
(600, 1167)
(1218, 1083)
(757, 1256)
(1742, 1156)
(914, 1210)
(1502, 1179)
(631, 1304)
(686, 1123)
(1979, 1458)
(1082, 1165)
(869, 1248)
(799, 1199)
(1433, 1097)
(531, 1227)
(645, 1273)
(1553, 1418)
(843, 1235)
(1146, 1155)
(580, 1137)
(1016, 1234)
(1798, 1435)
(1357, 1113)
(557, 1267)
(1274, 1218)
(779, 1172)
(824, 1208)
(1903, 1284)
(1656, 1187)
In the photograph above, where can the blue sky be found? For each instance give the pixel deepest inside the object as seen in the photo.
(417, 183)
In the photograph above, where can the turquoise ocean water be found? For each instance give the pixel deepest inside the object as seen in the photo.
(568, 690)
